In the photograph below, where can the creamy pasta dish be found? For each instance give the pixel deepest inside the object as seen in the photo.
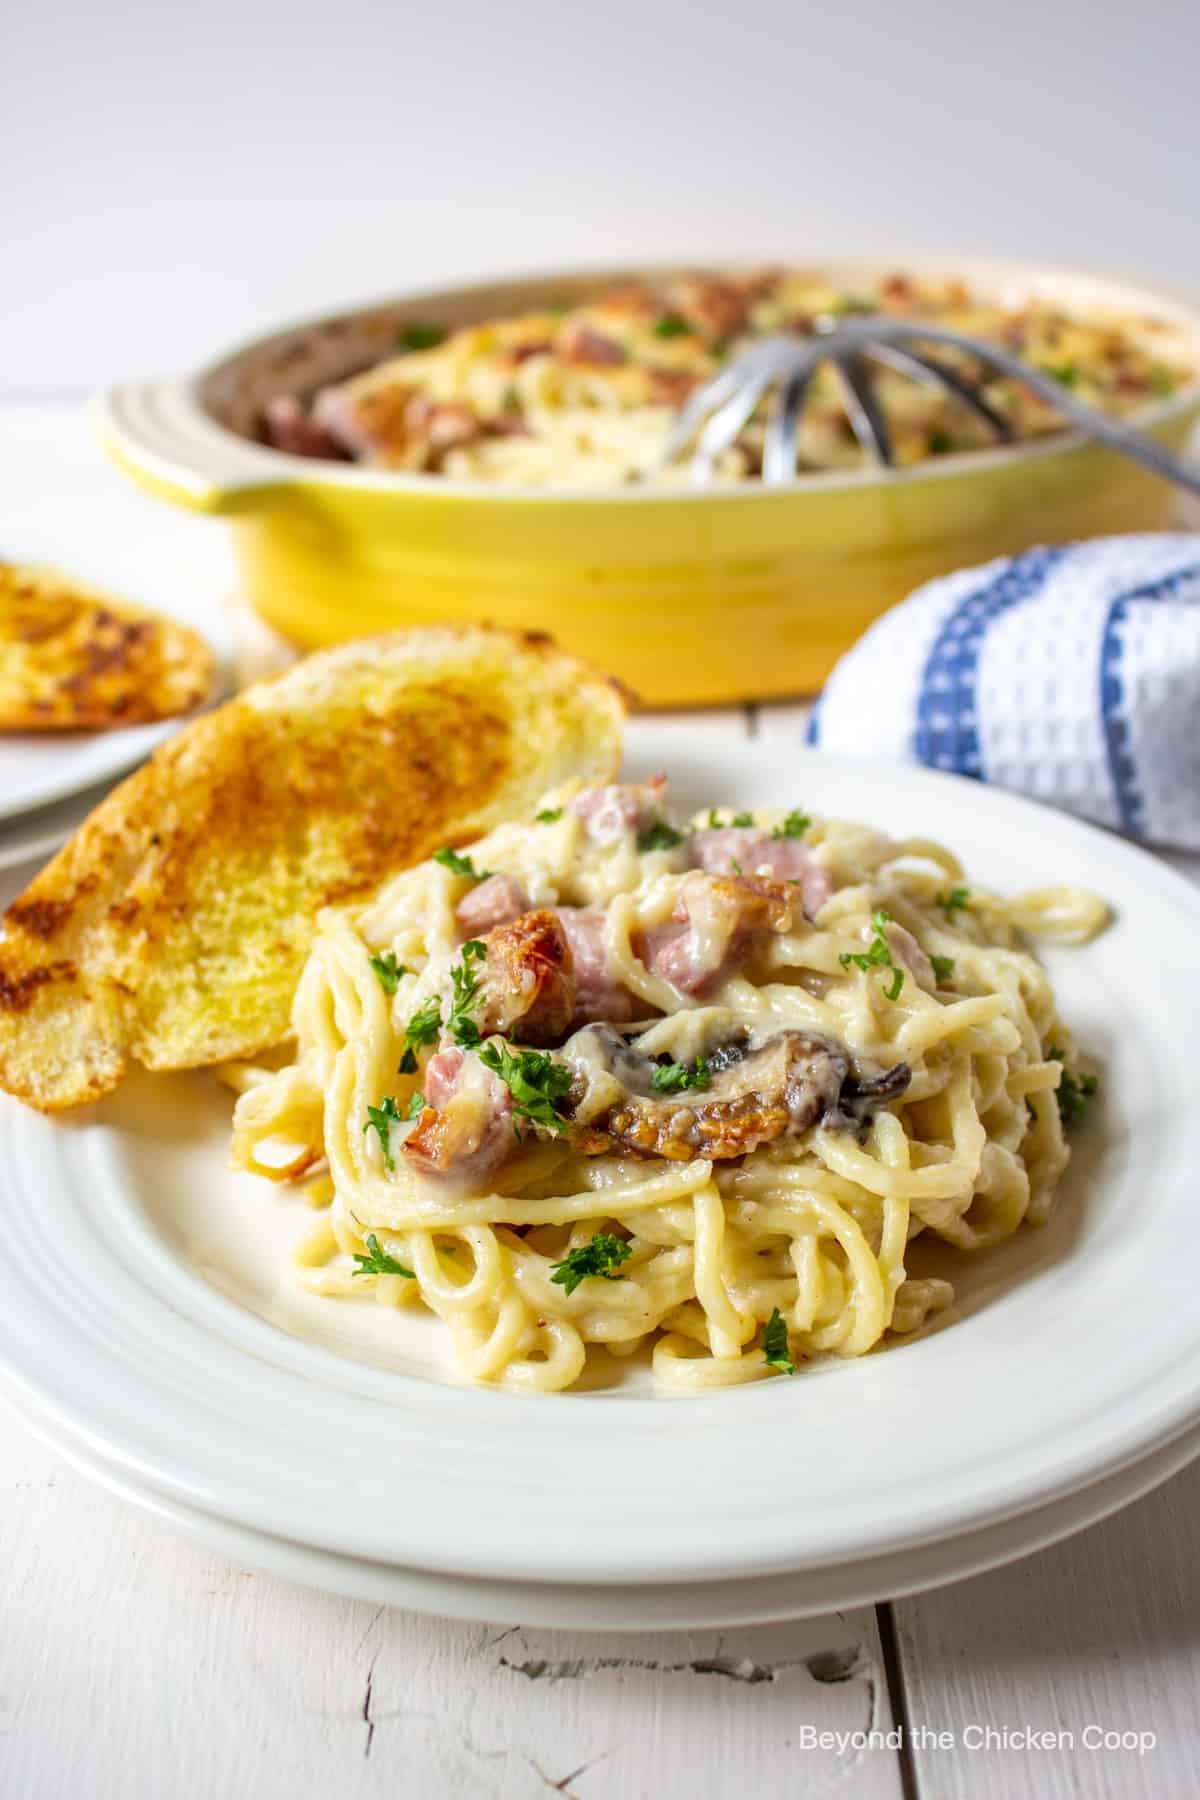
(585, 394)
(608, 1082)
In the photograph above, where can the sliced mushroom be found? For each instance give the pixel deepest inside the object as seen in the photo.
(756, 1094)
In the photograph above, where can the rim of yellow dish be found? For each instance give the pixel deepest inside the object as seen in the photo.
(184, 418)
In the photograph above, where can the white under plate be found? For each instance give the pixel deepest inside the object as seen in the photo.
(145, 1314)
(39, 767)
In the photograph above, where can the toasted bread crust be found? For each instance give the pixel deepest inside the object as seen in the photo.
(172, 928)
(75, 660)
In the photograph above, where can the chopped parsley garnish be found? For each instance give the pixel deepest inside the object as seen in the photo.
(381, 1119)
(534, 1080)
(421, 1029)
(549, 815)
(775, 1346)
(510, 400)
(459, 865)
(851, 303)
(419, 335)
(1066, 374)
(943, 967)
(378, 1262)
(658, 836)
(742, 821)
(879, 956)
(416, 1105)
(939, 443)
(1073, 1096)
(673, 1077)
(794, 826)
(599, 1258)
(671, 324)
(464, 984)
(388, 970)
(954, 901)
(1162, 384)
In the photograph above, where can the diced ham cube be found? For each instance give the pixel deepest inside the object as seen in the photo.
(609, 812)
(582, 344)
(671, 387)
(909, 953)
(717, 307)
(288, 425)
(598, 995)
(441, 1074)
(716, 925)
(465, 1131)
(392, 423)
(494, 902)
(528, 980)
(756, 852)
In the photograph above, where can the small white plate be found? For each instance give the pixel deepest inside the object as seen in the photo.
(62, 505)
(146, 1317)
(33, 837)
(36, 768)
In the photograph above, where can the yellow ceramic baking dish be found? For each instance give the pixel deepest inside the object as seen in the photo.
(689, 596)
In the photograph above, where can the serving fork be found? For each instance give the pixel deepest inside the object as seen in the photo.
(716, 412)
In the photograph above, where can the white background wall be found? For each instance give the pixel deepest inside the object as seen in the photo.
(172, 178)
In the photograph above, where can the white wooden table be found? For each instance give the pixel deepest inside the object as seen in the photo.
(138, 1666)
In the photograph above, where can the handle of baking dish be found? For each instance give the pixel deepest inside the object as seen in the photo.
(157, 433)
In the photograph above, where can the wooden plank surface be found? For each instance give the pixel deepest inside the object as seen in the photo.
(135, 1665)
(1072, 1673)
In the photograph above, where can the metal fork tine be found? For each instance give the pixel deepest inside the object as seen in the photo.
(718, 410)
(870, 427)
(1001, 362)
(779, 449)
(723, 427)
(699, 403)
(1116, 433)
(931, 372)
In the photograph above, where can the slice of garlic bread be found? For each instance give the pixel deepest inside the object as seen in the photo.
(75, 660)
(171, 929)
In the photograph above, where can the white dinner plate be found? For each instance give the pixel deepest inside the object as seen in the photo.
(681, 1606)
(62, 505)
(146, 1315)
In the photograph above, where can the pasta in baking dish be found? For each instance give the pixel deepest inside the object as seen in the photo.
(585, 395)
(605, 1081)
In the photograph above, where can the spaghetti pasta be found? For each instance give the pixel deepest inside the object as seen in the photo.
(682, 1086)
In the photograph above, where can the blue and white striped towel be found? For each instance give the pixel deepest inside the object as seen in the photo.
(1071, 674)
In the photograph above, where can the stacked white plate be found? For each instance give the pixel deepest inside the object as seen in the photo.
(149, 1329)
